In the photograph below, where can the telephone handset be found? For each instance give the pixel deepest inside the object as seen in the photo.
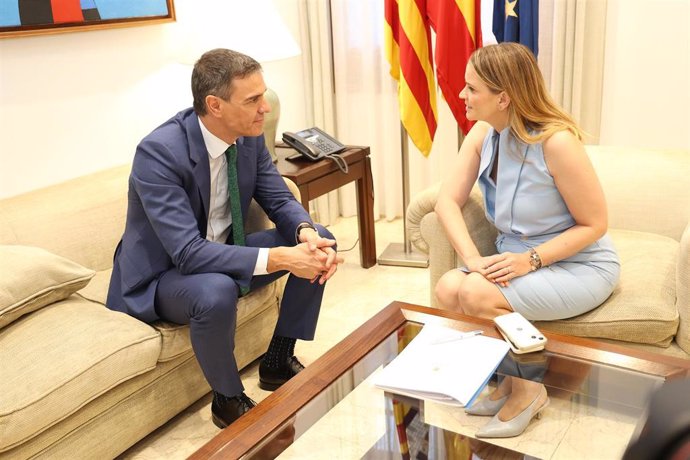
(313, 143)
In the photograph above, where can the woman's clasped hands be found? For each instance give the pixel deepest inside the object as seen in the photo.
(501, 268)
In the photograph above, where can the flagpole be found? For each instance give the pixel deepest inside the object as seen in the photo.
(397, 254)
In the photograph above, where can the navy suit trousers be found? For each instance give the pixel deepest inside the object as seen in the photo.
(208, 303)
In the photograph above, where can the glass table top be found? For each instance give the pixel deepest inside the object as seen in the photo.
(594, 411)
(598, 396)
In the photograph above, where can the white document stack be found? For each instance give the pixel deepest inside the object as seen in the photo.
(445, 365)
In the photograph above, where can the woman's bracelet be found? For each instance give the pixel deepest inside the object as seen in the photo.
(534, 259)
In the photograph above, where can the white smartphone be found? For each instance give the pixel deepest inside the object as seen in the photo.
(520, 334)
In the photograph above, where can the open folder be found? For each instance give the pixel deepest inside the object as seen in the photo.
(443, 364)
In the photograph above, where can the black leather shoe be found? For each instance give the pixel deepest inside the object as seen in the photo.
(271, 378)
(225, 410)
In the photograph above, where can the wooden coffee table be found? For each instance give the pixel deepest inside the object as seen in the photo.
(598, 395)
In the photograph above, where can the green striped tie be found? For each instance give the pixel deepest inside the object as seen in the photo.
(235, 206)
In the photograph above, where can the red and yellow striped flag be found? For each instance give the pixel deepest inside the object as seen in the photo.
(458, 33)
(408, 50)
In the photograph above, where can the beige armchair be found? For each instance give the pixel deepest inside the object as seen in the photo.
(648, 197)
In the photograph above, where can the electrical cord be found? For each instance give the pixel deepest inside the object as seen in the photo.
(351, 248)
(348, 249)
(342, 164)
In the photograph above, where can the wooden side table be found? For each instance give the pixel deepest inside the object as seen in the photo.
(316, 178)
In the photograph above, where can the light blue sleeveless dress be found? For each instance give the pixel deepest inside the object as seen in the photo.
(527, 209)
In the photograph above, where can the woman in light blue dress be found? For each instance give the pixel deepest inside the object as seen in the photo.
(540, 190)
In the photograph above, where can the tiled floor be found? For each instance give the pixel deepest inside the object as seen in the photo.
(353, 296)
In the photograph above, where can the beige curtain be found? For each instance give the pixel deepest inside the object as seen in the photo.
(571, 55)
(352, 95)
(367, 110)
(318, 86)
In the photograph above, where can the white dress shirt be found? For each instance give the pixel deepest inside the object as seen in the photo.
(219, 217)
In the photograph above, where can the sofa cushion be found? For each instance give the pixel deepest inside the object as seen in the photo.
(175, 337)
(57, 359)
(642, 308)
(31, 278)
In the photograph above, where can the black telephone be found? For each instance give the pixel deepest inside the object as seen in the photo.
(313, 143)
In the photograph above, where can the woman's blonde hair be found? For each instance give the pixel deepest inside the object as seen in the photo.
(512, 68)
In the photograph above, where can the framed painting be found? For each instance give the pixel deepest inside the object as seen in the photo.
(37, 17)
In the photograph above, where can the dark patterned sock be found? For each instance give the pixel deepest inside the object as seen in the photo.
(280, 349)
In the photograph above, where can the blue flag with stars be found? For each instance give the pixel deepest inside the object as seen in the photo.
(517, 21)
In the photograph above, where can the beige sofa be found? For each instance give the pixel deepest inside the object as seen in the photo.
(78, 380)
(649, 213)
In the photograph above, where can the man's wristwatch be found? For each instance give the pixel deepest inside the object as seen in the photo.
(534, 259)
(301, 227)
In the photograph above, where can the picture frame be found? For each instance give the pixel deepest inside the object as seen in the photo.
(20, 18)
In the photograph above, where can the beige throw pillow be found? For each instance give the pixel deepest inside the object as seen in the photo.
(31, 278)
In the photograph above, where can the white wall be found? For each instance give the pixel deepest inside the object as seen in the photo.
(646, 94)
(75, 103)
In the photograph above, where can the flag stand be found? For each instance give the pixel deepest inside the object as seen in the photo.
(401, 254)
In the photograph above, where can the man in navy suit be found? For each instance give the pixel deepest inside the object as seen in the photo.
(178, 259)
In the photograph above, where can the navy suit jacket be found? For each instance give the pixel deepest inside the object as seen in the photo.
(168, 200)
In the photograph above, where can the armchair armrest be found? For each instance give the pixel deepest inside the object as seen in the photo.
(422, 204)
(442, 255)
(683, 291)
(427, 234)
(482, 232)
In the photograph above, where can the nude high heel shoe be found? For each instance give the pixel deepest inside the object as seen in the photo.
(495, 428)
(486, 406)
